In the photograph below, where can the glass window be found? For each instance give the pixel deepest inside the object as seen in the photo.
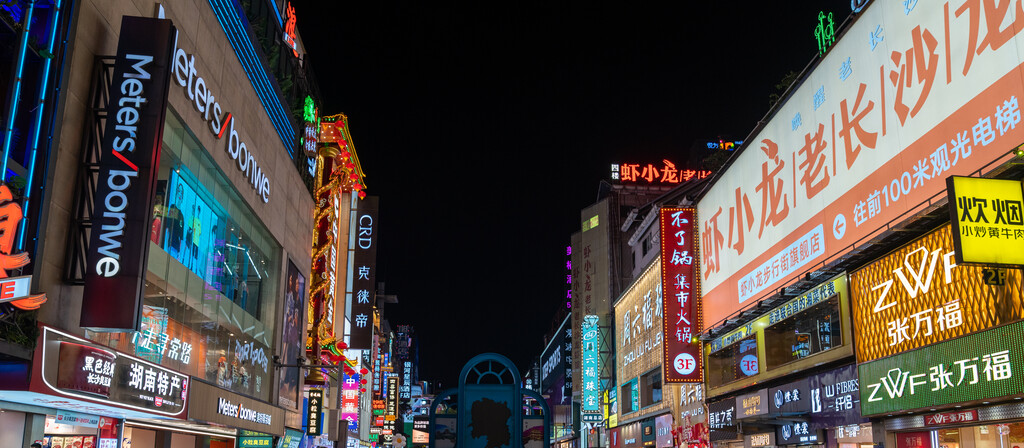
(650, 384)
(628, 390)
(803, 334)
(213, 270)
(731, 363)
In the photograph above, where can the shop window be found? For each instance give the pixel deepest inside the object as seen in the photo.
(626, 391)
(650, 388)
(812, 331)
(733, 362)
(213, 270)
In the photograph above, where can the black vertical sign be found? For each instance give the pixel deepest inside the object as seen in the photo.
(129, 158)
(365, 265)
(314, 407)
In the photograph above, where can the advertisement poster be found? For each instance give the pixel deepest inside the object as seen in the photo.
(291, 335)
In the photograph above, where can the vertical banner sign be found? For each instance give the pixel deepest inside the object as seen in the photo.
(590, 336)
(350, 400)
(390, 410)
(314, 407)
(365, 265)
(129, 157)
(682, 321)
(988, 220)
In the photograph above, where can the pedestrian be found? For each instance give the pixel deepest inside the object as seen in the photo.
(36, 445)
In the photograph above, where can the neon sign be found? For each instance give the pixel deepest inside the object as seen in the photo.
(665, 174)
(825, 32)
(289, 30)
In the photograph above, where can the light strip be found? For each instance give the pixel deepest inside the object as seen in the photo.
(177, 429)
(246, 53)
(16, 91)
(37, 123)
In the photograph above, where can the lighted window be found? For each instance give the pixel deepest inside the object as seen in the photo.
(650, 388)
(626, 403)
(806, 333)
(731, 363)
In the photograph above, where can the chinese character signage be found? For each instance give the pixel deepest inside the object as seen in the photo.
(364, 243)
(77, 368)
(752, 405)
(906, 98)
(390, 409)
(638, 327)
(590, 336)
(314, 411)
(350, 400)
(681, 288)
(988, 220)
(129, 157)
(980, 366)
(722, 421)
(949, 418)
(918, 295)
(86, 369)
(789, 399)
(664, 173)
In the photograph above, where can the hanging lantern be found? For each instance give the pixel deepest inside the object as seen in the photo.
(350, 166)
(364, 371)
(362, 195)
(353, 176)
(357, 186)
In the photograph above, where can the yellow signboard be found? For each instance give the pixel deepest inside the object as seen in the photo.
(988, 220)
(919, 295)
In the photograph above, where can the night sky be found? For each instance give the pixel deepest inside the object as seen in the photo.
(484, 128)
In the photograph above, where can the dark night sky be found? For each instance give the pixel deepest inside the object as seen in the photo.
(484, 129)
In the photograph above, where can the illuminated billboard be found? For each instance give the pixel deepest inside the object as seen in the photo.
(988, 220)
(986, 365)
(912, 95)
(683, 359)
(918, 295)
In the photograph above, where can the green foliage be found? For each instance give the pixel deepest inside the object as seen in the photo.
(781, 86)
(19, 327)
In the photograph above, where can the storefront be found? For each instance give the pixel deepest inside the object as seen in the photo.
(691, 429)
(806, 408)
(938, 346)
(641, 393)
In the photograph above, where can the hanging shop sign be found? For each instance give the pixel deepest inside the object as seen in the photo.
(981, 366)
(682, 352)
(722, 420)
(918, 295)
(791, 398)
(74, 367)
(797, 433)
(856, 434)
(590, 336)
(350, 400)
(125, 188)
(691, 403)
(759, 440)
(314, 410)
(364, 242)
(835, 397)
(861, 141)
(76, 419)
(752, 405)
(390, 409)
(209, 403)
(988, 220)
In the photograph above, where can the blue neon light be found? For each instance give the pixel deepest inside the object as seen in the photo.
(280, 20)
(16, 91)
(37, 123)
(229, 20)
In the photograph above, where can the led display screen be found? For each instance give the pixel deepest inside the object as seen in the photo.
(980, 366)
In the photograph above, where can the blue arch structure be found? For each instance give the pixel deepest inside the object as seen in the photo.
(488, 384)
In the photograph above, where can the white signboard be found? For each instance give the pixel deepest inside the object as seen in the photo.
(914, 92)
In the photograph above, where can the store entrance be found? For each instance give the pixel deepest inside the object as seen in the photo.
(1002, 435)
